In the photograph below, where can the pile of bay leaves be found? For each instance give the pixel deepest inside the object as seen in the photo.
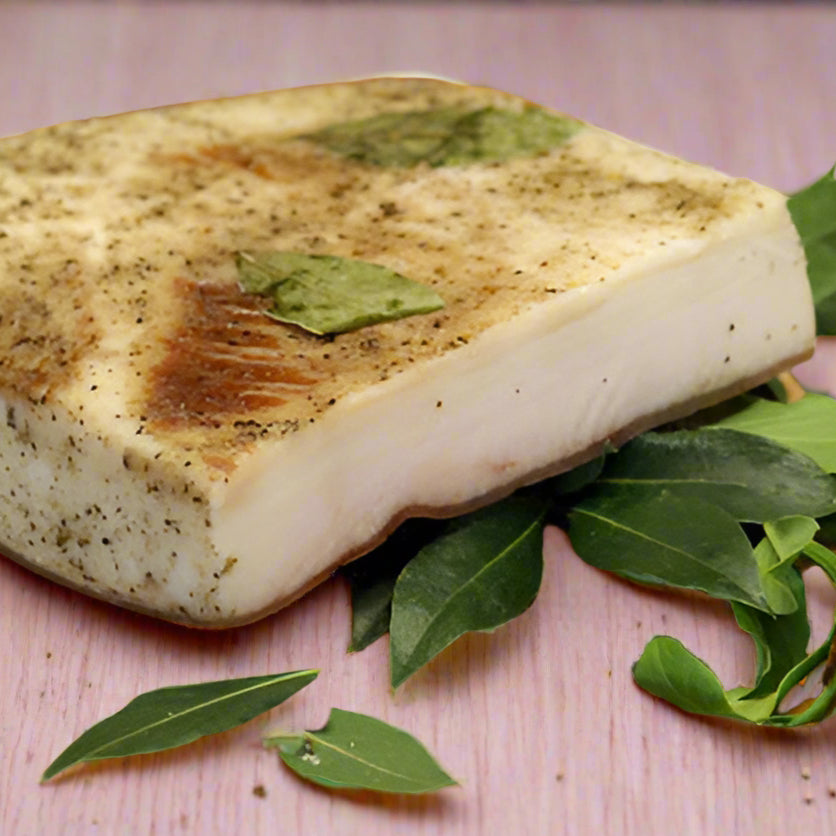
(736, 503)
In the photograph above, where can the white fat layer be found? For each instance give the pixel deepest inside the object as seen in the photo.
(533, 391)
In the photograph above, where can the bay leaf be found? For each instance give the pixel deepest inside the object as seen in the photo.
(176, 715)
(806, 426)
(355, 751)
(813, 709)
(789, 535)
(485, 571)
(668, 670)
(327, 294)
(575, 480)
(780, 642)
(813, 211)
(667, 540)
(446, 136)
(779, 596)
(373, 577)
(751, 477)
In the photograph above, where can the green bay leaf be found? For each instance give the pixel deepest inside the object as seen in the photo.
(328, 294)
(780, 642)
(668, 670)
(667, 540)
(446, 136)
(373, 577)
(176, 715)
(779, 596)
(813, 211)
(789, 535)
(816, 708)
(751, 477)
(484, 572)
(355, 751)
(806, 426)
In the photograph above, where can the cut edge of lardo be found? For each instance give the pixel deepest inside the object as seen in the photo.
(635, 428)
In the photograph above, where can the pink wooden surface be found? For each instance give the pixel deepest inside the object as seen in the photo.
(540, 721)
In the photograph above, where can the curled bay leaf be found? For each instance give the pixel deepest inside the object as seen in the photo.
(328, 294)
(668, 670)
(355, 751)
(485, 571)
(173, 716)
(780, 643)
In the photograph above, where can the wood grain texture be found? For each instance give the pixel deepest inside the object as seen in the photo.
(540, 721)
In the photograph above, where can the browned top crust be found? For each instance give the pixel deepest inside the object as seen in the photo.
(118, 289)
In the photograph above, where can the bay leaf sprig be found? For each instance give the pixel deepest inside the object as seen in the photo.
(174, 716)
(671, 672)
(355, 751)
(328, 294)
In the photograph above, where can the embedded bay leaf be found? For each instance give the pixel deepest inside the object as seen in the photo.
(807, 426)
(751, 477)
(373, 577)
(485, 571)
(355, 751)
(446, 136)
(327, 294)
(173, 716)
(667, 540)
(813, 211)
